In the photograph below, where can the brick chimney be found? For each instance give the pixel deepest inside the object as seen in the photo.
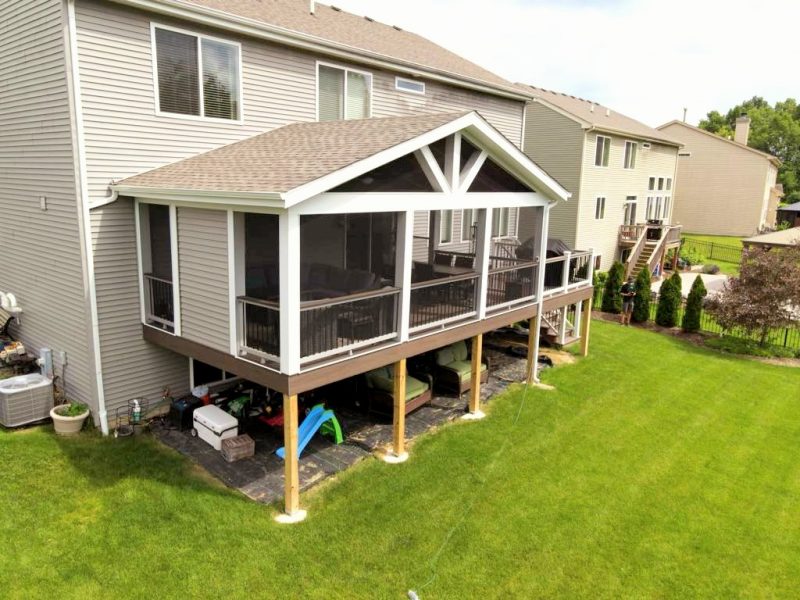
(742, 131)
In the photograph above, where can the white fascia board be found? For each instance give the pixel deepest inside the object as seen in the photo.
(272, 199)
(373, 202)
(478, 131)
(258, 29)
(631, 136)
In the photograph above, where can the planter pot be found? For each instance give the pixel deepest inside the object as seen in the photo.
(67, 425)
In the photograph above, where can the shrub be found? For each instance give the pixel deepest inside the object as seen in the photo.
(598, 281)
(669, 302)
(677, 282)
(735, 345)
(641, 303)
(710, 269)
(694, 306)
(612, 300)
(691, 255)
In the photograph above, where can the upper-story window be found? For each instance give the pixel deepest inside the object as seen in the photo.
(446, 227)
(343, 93)
(630, 155)
(602, 150)
(501, 222)
(196, 75)
(651, 184)
(600, 208)
(669, 183)
(409, 85)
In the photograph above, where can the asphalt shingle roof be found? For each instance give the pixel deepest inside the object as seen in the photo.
(345, 29)
(601, 117)
(288, 157)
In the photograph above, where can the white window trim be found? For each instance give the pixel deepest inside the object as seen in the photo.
(226, 377)
(397, 81)
(605, 202)
(200, 36)
(462, 239)
(453, 240)
(594, 158)
(509, 235)
(635, 156)
(368, 74)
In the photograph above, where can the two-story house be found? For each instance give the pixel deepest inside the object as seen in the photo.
(280, 191)
(726, 187)
(620, 172)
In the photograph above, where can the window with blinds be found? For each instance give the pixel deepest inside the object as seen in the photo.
(197, 76)
(343, 94)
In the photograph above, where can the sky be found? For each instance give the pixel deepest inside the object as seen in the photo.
(647, 59)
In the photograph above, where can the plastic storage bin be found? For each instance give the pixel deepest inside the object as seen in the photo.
(212, 425)
(25, 399)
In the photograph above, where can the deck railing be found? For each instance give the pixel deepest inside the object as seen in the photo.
(441, 301)
(260, 327)
(334, 326)
(159, 307)
(509, 285)
(567, 272)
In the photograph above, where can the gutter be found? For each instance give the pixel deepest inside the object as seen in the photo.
(630, 134)
(287, 37)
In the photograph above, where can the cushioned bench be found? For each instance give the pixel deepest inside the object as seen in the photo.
(453, 370)
(380, 391)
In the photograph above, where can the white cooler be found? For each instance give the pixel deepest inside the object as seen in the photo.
(212, 425)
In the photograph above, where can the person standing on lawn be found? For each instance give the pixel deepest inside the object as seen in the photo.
(628, 293)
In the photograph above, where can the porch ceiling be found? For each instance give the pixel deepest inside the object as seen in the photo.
(293, 163)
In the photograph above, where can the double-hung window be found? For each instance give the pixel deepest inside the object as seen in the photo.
(197, 75)
(501, 222)
(343, 93)
(630, 155)
(600, 208)
(650, 206)
(468, 220)
(602, 150)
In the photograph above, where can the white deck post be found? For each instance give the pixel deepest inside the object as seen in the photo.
(483, 249)
(236, 277)
(565, 272)
(176, 277)
(402, 270)
(434, 233)
(289, 243)
(576, 326)
(544, 225)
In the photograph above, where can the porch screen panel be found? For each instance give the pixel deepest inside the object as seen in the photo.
(331, 94)
(357, 105)
(178, 84)
(220, 80)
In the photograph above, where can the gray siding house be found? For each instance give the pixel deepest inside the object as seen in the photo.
(620, 172)
(284, 191)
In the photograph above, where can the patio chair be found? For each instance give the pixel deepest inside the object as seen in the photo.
(443, 258)
(467, 262)
(380, 391)
(453, 370)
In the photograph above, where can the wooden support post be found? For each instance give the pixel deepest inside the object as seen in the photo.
(293, 513)
(399, 422)
(475, 411)
(587, 321)
(533, 334)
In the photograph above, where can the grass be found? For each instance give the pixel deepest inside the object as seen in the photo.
(655, 469)
(735, 345)
(726, 268)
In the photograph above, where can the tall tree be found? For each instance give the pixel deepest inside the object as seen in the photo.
(612, 300)
(764, 296)
(773, 129)
(641, 303)
(694, 306)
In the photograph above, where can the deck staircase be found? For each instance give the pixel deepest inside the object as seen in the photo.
(644, 258)
(551, 328)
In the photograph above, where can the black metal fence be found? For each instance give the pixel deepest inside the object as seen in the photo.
(713, 250)
(782, 337)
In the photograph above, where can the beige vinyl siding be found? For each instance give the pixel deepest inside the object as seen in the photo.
(203, 272)
(555, 143)
(42, 262)
(615, 184)
(131, 366)
(722, 189)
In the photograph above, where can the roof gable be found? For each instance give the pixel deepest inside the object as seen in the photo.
(295, 162)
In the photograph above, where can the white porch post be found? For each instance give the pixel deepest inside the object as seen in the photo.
(543, 230)
(176, 277)
(576, 326)
(434, 233)
(483, 248)
(565, 272)
(236, 277)
(402, 270)
(562, 327)
(289, 243)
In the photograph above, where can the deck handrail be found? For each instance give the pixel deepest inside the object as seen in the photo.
(516, 267)
(152, 277)
(442, 280)
(270, 304)
(312, 304)
(656, 254)
(636, 251)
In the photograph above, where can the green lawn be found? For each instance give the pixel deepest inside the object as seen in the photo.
(656, 469)
(728, 268)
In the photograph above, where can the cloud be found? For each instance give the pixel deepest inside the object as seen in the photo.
(647, 59)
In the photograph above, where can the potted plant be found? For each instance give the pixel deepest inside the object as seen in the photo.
(68, 418)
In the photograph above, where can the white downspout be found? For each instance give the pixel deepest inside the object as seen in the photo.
(84, 219)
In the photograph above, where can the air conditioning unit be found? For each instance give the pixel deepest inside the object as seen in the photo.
(25, 399)
(646, 145)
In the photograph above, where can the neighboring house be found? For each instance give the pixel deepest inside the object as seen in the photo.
(789, 214)
(774, 239)
(724, 186)
(281, 192)
(619, 171)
